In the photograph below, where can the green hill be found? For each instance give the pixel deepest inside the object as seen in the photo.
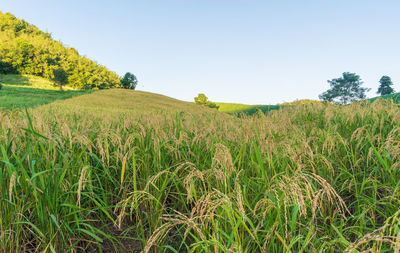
(395, 97)
(22, 91)
(246, 109)
(24, 49)
(302, 102)
(115, 102)
(251, 109)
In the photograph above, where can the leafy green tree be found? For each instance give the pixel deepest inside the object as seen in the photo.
(129, 81)
(60, 77)
(201, 99)
(345, 89)
(385, 87)
(6, 68)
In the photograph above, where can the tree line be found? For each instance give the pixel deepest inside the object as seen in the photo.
(344, 90)
(24, 49)
(348, 88)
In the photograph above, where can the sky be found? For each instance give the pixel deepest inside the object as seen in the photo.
(239, 51)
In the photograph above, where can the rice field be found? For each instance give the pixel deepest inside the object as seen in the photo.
(129, 171)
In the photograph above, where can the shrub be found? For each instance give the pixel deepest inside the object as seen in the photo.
(201, 99)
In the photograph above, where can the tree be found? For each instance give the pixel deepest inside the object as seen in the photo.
(6, 68)
(24, 49)
(385, 87)
(60, 77)
(345, 89)
(201, 99)
(129, 81)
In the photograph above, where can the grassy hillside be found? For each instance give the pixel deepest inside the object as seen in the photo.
(130, 171)
(22, 91)
(394, 97)
(116, 102)
(303, 102)
(251, 109)
(246, 109)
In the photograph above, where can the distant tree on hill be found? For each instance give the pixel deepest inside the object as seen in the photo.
(345, 89)
(129, 81)
(201, 99)
(60, 77)
(385, 87)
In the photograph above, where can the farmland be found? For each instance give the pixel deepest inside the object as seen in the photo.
(120, 170)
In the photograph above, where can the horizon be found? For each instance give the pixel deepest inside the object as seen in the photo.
(285, 52)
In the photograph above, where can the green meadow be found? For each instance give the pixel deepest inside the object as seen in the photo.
(21, 91)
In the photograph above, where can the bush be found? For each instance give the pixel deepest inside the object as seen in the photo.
(129, 81)
(201, 99)
(60, 77)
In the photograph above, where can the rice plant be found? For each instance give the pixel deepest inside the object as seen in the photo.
(148, 173)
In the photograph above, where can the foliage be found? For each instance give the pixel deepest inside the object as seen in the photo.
(30, 91)
(60, 77)
(6, 67)
(345, 89)
(27, 50)
(385, 86)
(129, 81)
(201, 99)
(175, 177)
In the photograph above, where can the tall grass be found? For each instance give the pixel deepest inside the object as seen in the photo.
(175, 177)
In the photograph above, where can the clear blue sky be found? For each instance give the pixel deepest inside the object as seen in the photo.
(254, 52)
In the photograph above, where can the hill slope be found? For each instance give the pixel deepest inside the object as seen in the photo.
(25, 49)
(251, 109)
(395, 97)
(247, 109)
(21, 91)
(119, 101)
